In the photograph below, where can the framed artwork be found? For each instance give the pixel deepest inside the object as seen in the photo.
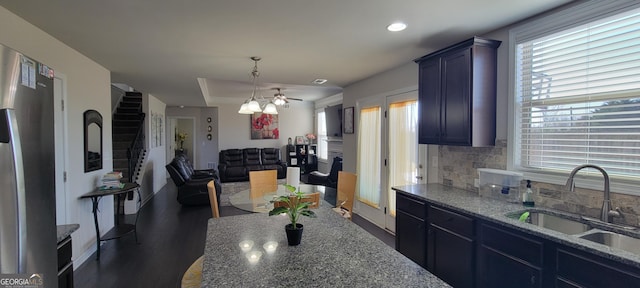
(348, 120)
(300, 140)
(264, 126)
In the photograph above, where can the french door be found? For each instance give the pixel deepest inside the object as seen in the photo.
(388, 154)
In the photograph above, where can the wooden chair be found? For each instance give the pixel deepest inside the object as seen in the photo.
(215, 211)
(193, 276)
(262, 181)
(314, 198)
(346, 190)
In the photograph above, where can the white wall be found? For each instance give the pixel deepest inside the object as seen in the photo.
(388, 83)
(297, 120)
(152, 174)
(88, 87)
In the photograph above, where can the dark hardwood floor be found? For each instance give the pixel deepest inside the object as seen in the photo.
(171, 237)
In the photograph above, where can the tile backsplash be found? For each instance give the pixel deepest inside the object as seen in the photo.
(457, 167)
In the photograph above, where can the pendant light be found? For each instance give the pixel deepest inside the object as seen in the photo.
(252, 105)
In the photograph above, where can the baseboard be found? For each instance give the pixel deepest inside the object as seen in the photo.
(86, 255)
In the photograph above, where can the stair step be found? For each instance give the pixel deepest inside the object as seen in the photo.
(125, 130)
(121, 144)
(133, 94)
(124, 104)
(127, 116)
(128, 110)
(125, 123)
(123, 137)
(120, 154)
(120, 163)
(131, 99)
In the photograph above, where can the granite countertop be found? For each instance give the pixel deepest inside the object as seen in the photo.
(334, 253)
(65, 230)
(495, 211)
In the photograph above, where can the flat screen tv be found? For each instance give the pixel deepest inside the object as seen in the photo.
(333, 116)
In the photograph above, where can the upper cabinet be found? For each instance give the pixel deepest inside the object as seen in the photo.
(457, 94)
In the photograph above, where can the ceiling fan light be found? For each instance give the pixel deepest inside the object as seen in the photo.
(254, 106)
(270, 108)
(244, 109)
(279, 101)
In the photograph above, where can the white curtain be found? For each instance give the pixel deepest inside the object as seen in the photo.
(403, 147)
(369, 150)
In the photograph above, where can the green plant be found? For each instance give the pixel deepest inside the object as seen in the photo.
(294, 208)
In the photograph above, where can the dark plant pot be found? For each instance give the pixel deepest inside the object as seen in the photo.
(294, 235)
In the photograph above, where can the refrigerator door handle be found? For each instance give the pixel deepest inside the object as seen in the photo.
(15, 263)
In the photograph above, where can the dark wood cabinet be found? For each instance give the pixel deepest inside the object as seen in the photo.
(411, 228)
(65, 265)
(578, 269)
(457, 94)
(507, 258)
(451, 247)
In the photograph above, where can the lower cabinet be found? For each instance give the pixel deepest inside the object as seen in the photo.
(65, 265)
(411, 229)
(466, 251)
(578, 269)
(508, 259)
(450, 247)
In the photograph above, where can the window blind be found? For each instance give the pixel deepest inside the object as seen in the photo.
(578, 96)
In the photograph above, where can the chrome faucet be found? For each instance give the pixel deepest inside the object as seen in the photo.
(606, 203)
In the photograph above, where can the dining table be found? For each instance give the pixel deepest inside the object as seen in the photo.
(259, 200)
(251, 250)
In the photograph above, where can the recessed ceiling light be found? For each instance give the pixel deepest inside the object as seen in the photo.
(319, 81)
(397, 26)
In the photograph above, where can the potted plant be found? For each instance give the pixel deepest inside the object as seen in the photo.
(294, 207)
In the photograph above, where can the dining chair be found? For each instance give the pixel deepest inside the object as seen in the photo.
(193, 276)
(346, 191)
(215, 211)
(262, 181)
(313, 198)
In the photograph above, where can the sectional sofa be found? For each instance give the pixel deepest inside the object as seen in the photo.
(235, 164)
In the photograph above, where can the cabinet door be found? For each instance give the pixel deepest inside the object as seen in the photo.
(411, 237)
(578, 269)
(429, 102)
(450, 257)
(497, 269)
(455, 122)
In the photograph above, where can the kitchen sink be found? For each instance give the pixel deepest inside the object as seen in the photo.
(614, 240)
(554, 222)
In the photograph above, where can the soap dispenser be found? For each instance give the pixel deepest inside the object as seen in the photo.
(527, 196)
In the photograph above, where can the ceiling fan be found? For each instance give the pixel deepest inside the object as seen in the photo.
(279, 98)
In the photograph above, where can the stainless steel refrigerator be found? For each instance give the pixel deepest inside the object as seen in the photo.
(27, 184)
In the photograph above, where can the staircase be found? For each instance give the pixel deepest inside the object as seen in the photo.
(128, 136)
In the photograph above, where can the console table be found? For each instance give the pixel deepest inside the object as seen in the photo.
(120, 229)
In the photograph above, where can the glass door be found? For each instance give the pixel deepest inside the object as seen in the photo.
(388, 154)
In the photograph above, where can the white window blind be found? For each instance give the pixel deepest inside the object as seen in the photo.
(578, 97)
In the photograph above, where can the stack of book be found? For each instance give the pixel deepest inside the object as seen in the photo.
(111, 180)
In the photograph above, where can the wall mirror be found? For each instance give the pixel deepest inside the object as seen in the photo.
(92, 140)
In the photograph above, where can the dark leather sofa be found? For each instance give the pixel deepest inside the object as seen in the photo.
(327, 179)
(192, 184)
(235, 164)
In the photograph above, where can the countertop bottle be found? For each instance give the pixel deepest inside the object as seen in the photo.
(527, 196)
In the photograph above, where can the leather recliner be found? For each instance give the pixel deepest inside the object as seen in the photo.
(271, 161)
(327, 179)
(192, 184)
(232, 167)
